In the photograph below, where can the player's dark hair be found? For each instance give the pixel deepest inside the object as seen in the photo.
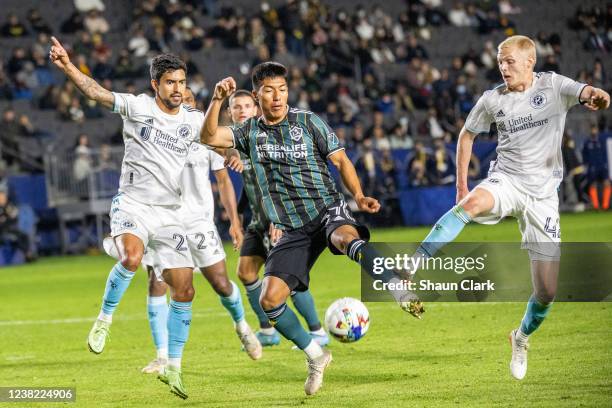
(239, 93)
(265, 70)
(163, 63)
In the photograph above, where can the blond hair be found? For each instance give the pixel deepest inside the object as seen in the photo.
(521, 42)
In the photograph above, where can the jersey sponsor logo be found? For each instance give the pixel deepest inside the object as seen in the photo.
(145, 131)
(520, 123)
(183, 131)
(279, 152)
(500, 114)
(296, 132)
(538, 100)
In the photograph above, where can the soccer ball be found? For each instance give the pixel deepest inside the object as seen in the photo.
(347, 320)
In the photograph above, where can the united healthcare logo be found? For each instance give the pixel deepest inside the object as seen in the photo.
(183, 131)
(538, 100)
(296, 133)
(145, 131)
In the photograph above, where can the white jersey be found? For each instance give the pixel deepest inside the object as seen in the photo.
(195, 182)
(156, 148)
(530, 128)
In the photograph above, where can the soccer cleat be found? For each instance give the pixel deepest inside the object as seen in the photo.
(110, 248)
(267, 340)
(173, 377)
(411, 304)
(316, 367)
(250, 343)
(518, 363)
(97, 336)
(155, 366)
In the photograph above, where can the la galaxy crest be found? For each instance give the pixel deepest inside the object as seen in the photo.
(296, 133)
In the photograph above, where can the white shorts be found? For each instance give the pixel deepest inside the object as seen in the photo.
(204, 244)
(159, 228)
(538, 218)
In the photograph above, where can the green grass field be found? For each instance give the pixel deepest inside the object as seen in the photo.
(457, 356)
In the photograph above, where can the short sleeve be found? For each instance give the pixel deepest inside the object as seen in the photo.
(567, 89)
(241, 136)
(479, 119)
(217, 162)
(124, 104)
(324, 137)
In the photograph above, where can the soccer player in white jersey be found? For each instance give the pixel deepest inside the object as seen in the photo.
(158, 132)
(529, 110)
(205, 246)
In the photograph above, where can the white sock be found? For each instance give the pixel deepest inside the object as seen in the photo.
(268, 331)
(242, 326)
(105, 317)
(319, 332)
(175, 362)
(162, 353)
(521, 338)
(313, 350)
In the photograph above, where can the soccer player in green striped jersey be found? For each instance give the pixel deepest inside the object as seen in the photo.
(289, 150)
(259, 238)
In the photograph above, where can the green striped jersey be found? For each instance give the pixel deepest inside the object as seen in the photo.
(290, 164)
(259, 219)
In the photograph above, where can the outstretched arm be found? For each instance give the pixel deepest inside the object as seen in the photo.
(464, 153)
(351, 181)
(212, 134)
(90, 88)
(594, 98)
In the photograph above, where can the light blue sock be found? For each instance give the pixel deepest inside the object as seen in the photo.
(304, 303)
(446, 230)
(534, 315)
(117, 282)
(287, 324)
(233, 303)
(179, 321)
(157, 309)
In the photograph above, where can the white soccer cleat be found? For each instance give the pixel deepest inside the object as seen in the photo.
(518, 364)
(316, 367)
(156, 366)
(250, 343)
(110, 248)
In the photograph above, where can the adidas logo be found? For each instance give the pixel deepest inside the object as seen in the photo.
(500, 114)
(262, 134)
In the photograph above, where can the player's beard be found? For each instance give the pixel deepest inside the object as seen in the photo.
(169, 104)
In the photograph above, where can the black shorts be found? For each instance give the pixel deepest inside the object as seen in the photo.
(597, 174)
(256, 243)
(296, 252)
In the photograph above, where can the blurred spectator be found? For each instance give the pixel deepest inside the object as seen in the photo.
(82, 165)
(596, 161)
(418, 174)
(444, 168)
(37, 22)
(84, 6)
(13, 27)
(574, 170)
(596, 41)
(550, 64)
(13, 129)
(95, 23)
(138, 44)
(543, 46)
(458, 15)
(9, 233)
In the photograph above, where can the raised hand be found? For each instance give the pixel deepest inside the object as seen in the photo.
(224, 88)
(58, 54)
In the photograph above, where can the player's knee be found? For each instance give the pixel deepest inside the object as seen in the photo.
(342, 237)
(267, 302)
(247, 271)
(131, 259)
(184, 294)
(545, 295)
